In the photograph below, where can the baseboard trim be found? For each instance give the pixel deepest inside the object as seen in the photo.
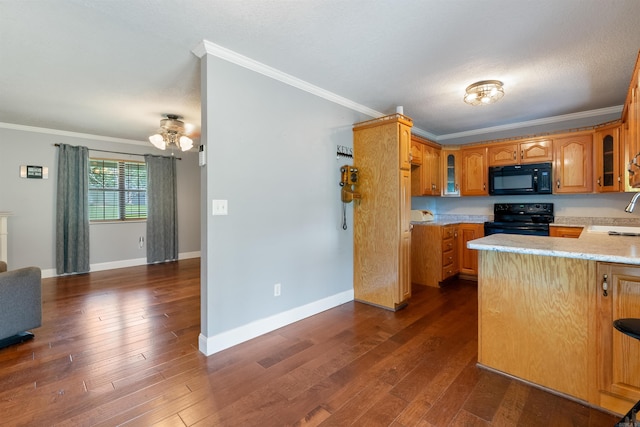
(112, 265)
(227, 339)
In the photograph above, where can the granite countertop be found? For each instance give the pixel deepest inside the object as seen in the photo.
(589, 246)
(455, 219)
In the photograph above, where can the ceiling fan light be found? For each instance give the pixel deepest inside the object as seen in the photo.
(171, 134)
(185, 143)
(158, 141)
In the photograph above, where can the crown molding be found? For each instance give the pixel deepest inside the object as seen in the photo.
(208, 48)
(423, 133)
(70, 134)
(538, 122)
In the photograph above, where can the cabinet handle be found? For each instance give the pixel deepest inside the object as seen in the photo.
(605, 285)
(514, 155)
(558, 183)
(599, 183)
(484, 185)
(522, 154)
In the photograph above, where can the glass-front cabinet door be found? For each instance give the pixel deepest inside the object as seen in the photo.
(451, 172)
(608, 177)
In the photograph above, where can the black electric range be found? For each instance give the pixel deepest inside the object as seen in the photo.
(520, 218)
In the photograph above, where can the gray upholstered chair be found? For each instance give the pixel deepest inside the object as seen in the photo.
(20, 303)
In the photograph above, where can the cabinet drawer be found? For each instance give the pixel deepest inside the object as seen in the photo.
(448, 232)
(448, 259)
(448, 271)
(448, 245)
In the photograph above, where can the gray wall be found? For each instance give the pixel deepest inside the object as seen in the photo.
(31, 229)
(271, 152)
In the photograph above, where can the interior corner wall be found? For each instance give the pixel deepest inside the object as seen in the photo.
(271, 153)
(32, 202)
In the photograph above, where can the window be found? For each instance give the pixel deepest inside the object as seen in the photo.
(117, 190)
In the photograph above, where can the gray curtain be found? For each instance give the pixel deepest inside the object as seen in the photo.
(72, 210)
(162, 209)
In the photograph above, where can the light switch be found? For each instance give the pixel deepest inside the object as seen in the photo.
(219, 207)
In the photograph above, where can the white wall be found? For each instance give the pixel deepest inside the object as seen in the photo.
(31, 228)
(271, 152)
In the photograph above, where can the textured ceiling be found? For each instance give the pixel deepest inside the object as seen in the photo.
(112, 68)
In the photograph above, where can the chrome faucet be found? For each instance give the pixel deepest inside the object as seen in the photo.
(632, 203)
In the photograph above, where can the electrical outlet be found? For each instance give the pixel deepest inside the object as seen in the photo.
(220, 207)
(276, 290)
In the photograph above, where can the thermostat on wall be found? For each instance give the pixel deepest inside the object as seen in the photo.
(37, 172)
(202, 158)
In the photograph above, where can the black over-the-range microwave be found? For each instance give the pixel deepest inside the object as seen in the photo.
(534, 178)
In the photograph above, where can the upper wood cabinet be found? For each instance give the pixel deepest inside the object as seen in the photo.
(416, 152)
(450, 172)
(573, 164)
(608, 175)
(529, 151)
(631, 128)
(474, 171)
(431, 170)
(425, 173)
(404, 138)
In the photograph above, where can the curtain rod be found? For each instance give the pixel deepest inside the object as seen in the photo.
(120, 152)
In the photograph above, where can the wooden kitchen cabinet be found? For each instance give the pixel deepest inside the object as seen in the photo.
(381, 218)
(403, 289)
(431, 171)
(617, 355)
(631, 122)
(608, 176)
(573, 164)
(560, 231)
(468, 258)
(425, 176)
(416, 152)
(450, 172)
(434, 253)
(404, 144)
(527, 151)
(474, 171)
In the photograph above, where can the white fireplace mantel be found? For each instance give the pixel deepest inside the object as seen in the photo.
(3, 235)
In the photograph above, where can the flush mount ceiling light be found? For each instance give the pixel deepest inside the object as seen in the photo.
(484, 92)
(171, 134)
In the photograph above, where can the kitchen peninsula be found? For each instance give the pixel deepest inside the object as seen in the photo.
(546, 307)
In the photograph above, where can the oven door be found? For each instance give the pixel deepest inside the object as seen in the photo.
(524, 228)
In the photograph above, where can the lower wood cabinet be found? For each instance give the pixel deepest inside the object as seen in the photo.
(468, 258)
(434, 253)
(560, 231)
(439, 252)
(617, 355)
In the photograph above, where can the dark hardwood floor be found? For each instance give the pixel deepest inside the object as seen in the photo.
(119, 347)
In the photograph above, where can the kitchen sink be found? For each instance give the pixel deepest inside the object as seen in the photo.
(614, 230)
